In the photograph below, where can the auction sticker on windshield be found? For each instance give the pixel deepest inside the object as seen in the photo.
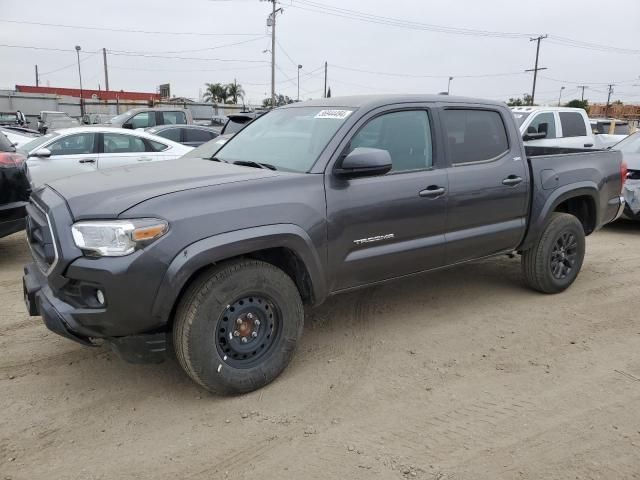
(337, 114)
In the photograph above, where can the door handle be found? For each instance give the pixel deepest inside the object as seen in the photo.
(512, 180)
(145, 159)
(87, 160)
(432, 191)
(588, 145)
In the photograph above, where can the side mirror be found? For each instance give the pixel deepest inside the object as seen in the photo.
(534, 136)
(41, 153)
(128, 125)
(364, 162)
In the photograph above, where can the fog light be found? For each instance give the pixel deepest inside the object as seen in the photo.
(100, 297)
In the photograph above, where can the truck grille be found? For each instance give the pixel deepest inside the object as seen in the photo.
(40, 238)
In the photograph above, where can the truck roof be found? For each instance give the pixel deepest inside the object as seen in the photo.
(373, 101)
(535, 108)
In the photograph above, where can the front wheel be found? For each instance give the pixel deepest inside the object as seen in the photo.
(237, 326)
(553, 263)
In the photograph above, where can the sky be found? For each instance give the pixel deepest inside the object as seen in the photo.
(404, 46)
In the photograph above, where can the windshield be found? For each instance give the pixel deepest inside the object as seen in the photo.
(120, 118)
(36, 142)
(631, 144)
(521, 117)
(208, 150)
(289, 138)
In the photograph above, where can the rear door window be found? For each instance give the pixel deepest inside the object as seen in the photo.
(115, 143)
(171, 134)
(197, 135)
(174, 118)
(475, 135)
(572, 125)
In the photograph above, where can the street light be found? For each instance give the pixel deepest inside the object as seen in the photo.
(449, 85)
(299, 68)
(80, 75)
(560, 96)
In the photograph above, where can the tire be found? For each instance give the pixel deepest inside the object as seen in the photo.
(554, 262)
(237, 326)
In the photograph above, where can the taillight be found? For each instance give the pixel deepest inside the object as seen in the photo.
(623, 173)
(8, 159)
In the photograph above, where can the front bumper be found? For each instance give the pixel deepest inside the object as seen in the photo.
(62, 318)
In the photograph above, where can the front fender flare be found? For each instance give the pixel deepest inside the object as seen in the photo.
(214, 249)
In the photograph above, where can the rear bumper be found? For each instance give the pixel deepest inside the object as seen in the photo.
(60, 318)
(12, 218)
(621, 208)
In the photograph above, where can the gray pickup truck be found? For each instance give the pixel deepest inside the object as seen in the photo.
(217, 257)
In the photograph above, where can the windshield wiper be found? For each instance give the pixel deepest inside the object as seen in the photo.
(250, 163)
(216, 159)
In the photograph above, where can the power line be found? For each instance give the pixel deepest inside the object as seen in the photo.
(408, 75)
(134, 54)
(126, 30)
(317, 7)
(226, 45)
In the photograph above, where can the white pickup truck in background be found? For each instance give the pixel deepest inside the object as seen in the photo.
(560, 127)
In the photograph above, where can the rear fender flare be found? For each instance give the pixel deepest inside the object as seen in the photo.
(217, 248)
(558, 196)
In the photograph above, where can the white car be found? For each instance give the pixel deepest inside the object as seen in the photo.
(16, 137)
(71, 151)
(559, 127)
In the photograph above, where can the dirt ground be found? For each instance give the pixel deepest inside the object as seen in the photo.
(461, 374)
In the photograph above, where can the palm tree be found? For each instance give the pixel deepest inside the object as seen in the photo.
(215, 93)
(234, 92)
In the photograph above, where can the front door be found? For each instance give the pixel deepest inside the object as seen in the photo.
(543, 122)
(70, 155)
(488, 183)
(386, 226)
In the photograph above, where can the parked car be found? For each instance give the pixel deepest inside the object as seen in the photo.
(14, 188)
(85, 149)
(50, 121)
(150, 117)
(8, 118)
(558, 127)
(218, 121)
(95, 118)
(190, 135)
(630, 148)
(237, 121)
(18, 136)
(310, 200)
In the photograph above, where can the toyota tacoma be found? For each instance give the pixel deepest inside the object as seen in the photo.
(216, 257)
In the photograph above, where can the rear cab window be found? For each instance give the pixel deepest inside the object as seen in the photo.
(572, 124)
(474, 135)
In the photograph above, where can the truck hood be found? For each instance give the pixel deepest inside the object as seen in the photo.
(107, 193)
(632, 160)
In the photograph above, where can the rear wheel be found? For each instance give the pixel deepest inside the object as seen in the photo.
(554, 262)
(237, 326)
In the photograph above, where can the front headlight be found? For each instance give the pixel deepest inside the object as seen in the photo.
(116, 238)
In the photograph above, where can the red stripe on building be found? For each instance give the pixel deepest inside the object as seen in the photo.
(87, 94)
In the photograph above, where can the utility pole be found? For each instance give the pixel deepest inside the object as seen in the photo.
(582, 87)
(325, 80)
(37, 79)
(536, 68)
(449, 86)
(560, 96)
(80, 75)
(106, 71)
(606, 111)
(299, 68)
(271, 22)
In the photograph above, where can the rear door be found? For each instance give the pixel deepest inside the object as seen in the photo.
(70, 155)
(386, 226)
(119, 149)
(575, 133)
(488, 182)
